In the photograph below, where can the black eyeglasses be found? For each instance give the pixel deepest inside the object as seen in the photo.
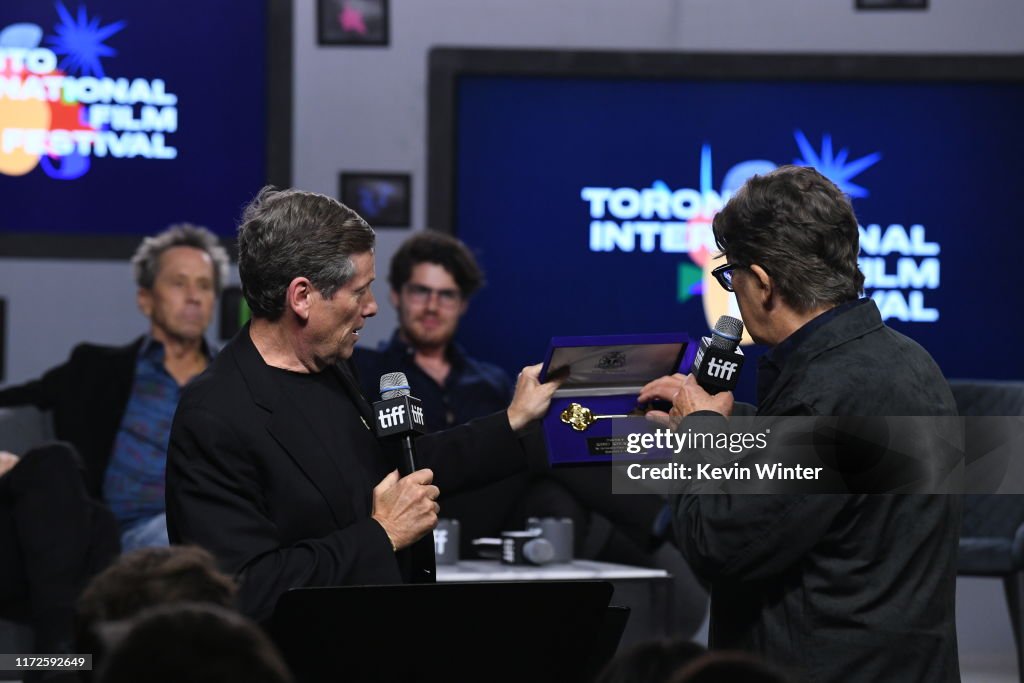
(723, 274)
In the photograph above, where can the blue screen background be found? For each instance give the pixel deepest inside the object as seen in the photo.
(950, 160)
(212, 56)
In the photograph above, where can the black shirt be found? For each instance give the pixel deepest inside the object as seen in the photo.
(472, 388)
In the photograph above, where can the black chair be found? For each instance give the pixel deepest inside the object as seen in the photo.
(992, 528)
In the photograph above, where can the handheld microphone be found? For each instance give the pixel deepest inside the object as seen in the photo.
(399, 414)
(717, 364)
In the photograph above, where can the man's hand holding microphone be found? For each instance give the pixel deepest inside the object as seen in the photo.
(708, 386)
(406, 506)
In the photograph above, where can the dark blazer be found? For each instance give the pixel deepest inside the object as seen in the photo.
(87, 396)
(838, 587)
(248, 480)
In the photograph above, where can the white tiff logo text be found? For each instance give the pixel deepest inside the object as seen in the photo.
(721, 369)
(440, 540)
(391, 417)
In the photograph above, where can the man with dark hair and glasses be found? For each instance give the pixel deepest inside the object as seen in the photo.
(838, 587)
(432, 277)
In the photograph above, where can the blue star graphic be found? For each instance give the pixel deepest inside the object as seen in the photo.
(80, 41)
(835, 168)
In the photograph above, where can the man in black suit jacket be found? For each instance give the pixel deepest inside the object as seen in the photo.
(273, 464)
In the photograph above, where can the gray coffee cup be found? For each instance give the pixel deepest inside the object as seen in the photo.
(446, 541)
(525, 548)
(558, 532)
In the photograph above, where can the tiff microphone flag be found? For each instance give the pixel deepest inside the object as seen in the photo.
(717, 364)
(400, 415)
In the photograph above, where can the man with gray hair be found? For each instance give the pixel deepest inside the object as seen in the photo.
(273, 463)
(112, 409)
(115, 404)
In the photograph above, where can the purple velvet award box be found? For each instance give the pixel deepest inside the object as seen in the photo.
(604, 374)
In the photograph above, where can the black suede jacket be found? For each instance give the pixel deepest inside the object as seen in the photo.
(837, 587)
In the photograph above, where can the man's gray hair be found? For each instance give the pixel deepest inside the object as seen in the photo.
(287, 234)
(146, 261)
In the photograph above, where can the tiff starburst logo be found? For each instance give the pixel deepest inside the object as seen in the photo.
(835, 167)
(80, 41)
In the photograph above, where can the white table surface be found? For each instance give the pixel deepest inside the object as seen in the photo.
(492, 570)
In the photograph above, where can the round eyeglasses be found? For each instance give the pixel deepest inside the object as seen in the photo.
(420, 295)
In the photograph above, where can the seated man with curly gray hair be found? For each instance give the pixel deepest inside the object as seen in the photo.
(115, 404)
(112, 409)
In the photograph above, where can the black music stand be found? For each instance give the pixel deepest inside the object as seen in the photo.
(526, 631)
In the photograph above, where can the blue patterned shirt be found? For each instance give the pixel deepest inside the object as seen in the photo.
(134, 482)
